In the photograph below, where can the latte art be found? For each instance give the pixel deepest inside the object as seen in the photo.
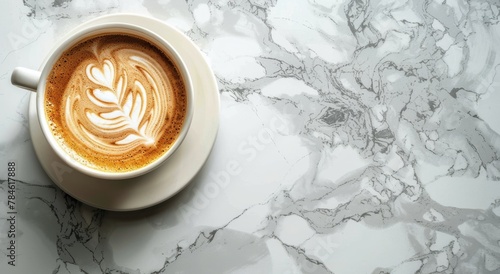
(123, 100)
(126, 118)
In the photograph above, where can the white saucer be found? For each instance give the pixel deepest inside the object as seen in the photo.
(162, 183)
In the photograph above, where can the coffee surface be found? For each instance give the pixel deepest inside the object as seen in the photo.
(115, 102)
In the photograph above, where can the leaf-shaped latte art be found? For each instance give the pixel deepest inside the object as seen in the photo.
(123, 111)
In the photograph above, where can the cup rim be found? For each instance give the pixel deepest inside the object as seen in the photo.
(123, 28)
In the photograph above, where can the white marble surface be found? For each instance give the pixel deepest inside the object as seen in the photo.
(355, 137)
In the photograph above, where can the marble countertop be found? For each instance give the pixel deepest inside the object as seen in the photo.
(365, 137)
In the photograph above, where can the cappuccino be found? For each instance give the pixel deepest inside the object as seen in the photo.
(115, 102)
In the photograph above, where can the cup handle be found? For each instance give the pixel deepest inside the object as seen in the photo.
(25, 78)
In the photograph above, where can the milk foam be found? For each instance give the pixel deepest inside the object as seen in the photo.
(112, 115)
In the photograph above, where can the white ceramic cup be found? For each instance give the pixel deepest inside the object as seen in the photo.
(35, 80)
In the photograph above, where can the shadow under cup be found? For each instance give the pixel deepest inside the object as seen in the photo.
(132, 112)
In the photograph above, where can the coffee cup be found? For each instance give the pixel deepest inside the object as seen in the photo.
(114, 101)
